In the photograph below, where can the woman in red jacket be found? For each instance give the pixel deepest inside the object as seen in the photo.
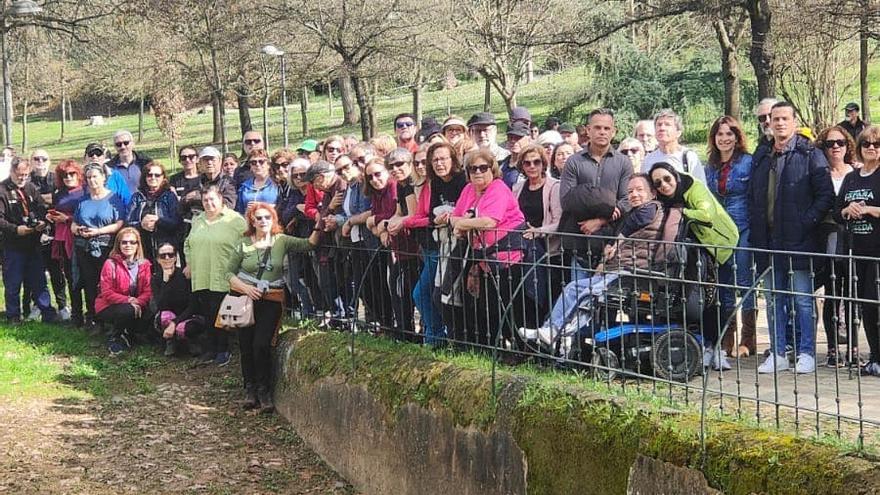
(124, 290)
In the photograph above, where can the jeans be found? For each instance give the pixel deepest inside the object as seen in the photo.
(432, 320)
(298, 264)
(574, 293)
(779, 305)
(25, 267)
(744, 277)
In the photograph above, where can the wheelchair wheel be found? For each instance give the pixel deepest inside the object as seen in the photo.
(676, 356)
(605, 363)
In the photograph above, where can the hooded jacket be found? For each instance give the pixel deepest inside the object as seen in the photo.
(115, 286)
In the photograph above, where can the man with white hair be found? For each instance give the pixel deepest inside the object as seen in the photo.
(644, 132)
(668, 128)
(762, 113)
(127, 162)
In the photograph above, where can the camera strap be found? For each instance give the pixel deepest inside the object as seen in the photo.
(25, 204)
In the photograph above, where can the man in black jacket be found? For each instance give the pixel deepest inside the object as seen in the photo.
(22, 218)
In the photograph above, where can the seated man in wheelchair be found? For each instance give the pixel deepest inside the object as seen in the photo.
(637, 248)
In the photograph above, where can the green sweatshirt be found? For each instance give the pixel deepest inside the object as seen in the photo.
(246, 258)
(209, 247)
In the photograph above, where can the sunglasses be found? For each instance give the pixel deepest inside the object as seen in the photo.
(404, 124)
(280, 164)
(128, 243)
(152, 175)
(263, 218)
(333, 149)
(299, 176)
(479, 168)
(40, 158)
(185, 158)
(764, 118)
(834, 143)
(871, 144)
(361, 160)
(256, 162)
(122, 144)
(94, 153)
(377, 175)
(631, 151)
(666, 178)
(398, 164)
(251, 142)
(167, 256)
(68, 174)
(532, 163)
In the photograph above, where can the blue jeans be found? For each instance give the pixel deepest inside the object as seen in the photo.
(25, 267)
(574, 293)
(779, 305)
(744, 280)
(432, 319)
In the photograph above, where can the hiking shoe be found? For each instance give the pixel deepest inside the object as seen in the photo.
(773, 363)
(871, 369)
(707, 357)
(116, 347)
(805, 363)
(64, 314)
(833, 360)
(34, 315)
(527, 334)
(170, 347)
(222, 358)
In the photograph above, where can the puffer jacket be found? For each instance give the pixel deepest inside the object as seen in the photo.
(804, 195)
(115, 286)
(643, 249)
(735, 200)
(166, 207)
(701, 206)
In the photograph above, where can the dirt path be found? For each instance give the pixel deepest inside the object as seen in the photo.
(186, 434)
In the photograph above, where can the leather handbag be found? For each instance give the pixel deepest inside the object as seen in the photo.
(238, 311)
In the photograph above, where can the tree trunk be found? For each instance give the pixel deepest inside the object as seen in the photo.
(304, 110)
(729, 70)
(141, 119)
(244, 110)
(487, 95)
(329, 99)
(24, 123)
(265, 116)
(417, 96)
(363, 107)
(349, 115)
(761, 53)
(529, 69)
(69, 109)
(63, 109)
(864, 57)
(216, 118)
(7, 92)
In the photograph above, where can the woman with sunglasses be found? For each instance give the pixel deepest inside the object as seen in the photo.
(728, 171)
(291, 214)
(840, 150)
(256, 270)
(154, 210)
(711, 225)
(334, 147)
(175, 320)
(488, 215)
(260, 187)
(68, 193)
(125, 291)
(634, 150)
(97, 218)
(280, 170)
(858, 206)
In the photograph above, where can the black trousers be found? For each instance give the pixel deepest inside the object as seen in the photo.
(207, 303)
(868, 273)
(90, 275)
(256, 344)
(121, 320)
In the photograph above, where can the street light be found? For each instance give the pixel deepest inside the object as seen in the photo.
(273, 51)
(19, 8)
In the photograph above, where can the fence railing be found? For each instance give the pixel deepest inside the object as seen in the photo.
(643, 314)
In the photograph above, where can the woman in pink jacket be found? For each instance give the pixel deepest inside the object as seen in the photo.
(124, 290)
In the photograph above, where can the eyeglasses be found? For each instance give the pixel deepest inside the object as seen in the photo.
(398, 164)
(128, 243)
(40, 158)
(764, 118)
(871, 144)
(531, 163)
(299, 176)
(834, 143)
(186, 158)
(666, 178)
(377, 175)
(280, 164)
(68, 174)
(333, 149)
(256, 162)
(251, 142)
(167, 256)
(152, 175)
(630, 151)
(262, 218)
(122, 144)
(404, 124)
(479, 169)
(419, 162)
(94, 153)
(341, 170)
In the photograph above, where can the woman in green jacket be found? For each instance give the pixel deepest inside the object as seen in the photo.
(713, 228)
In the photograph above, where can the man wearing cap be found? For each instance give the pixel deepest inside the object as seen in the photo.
(853, 123)
(517, 139)
(127, 161)
(428, 129)
(308, 149)
(484, 133)
(569, 135)
(96, 153)
(405, 131)
(520, 114)
(250, 141)
(210, 161)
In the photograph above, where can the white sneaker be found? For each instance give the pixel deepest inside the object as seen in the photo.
(773, 363)
(64, 314)
(34, 314)
(546, 335)
(707, 357)
(527, 334)
(720, 362)
(805, 363)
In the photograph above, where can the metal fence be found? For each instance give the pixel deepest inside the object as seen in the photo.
(644, 314)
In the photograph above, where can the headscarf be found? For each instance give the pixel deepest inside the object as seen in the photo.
(683, 183)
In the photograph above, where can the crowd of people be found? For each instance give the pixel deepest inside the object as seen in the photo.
(427, 230)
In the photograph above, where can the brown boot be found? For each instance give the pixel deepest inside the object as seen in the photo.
(747, 343)
(729, 339)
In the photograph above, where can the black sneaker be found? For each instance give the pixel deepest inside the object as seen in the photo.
(170, 347)
(833, 360)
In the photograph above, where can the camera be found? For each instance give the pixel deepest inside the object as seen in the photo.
(30, 221)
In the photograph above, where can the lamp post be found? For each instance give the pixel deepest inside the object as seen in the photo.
(18, 8)
(273, 51)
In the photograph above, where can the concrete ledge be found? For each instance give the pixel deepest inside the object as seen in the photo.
(395, 418)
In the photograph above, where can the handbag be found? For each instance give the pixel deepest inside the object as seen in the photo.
(238, 311)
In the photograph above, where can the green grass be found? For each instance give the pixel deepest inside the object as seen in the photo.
(53, 361)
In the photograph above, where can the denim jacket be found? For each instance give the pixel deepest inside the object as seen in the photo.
(736, 198)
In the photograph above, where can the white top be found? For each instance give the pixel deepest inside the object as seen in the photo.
(695, 167)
